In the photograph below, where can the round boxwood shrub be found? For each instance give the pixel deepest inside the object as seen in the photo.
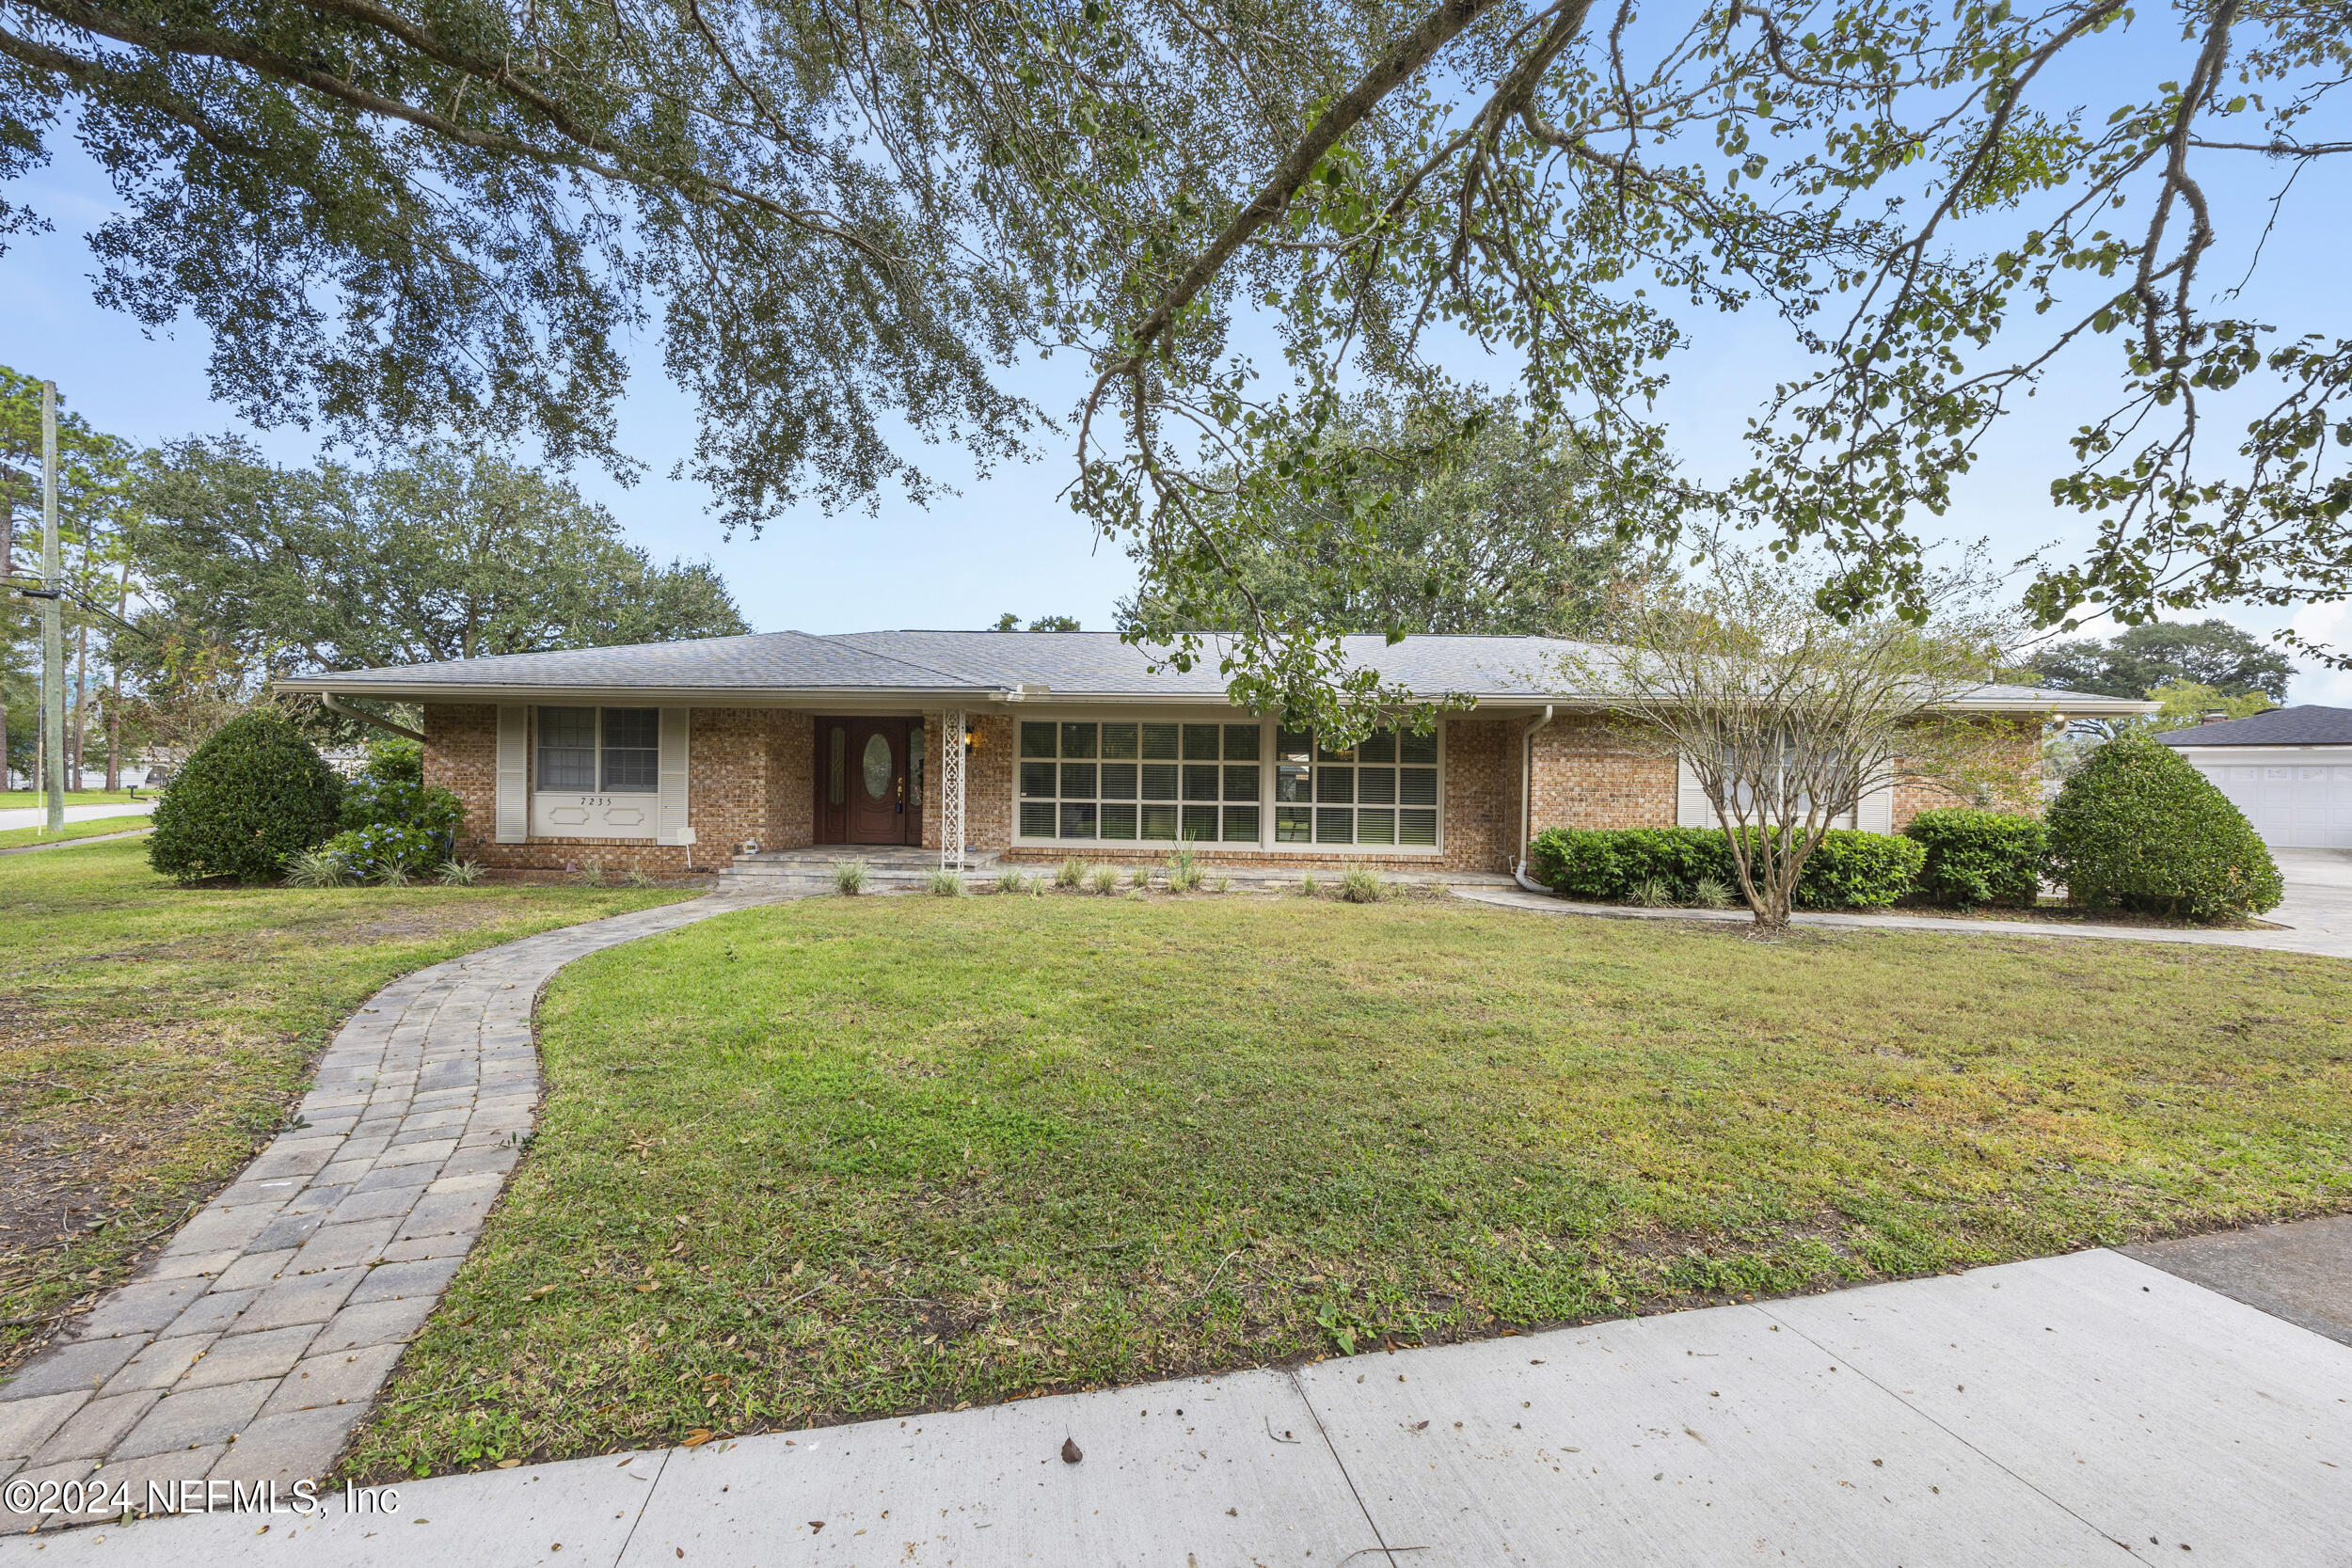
(2138, 827)
(255, 793)
(1980, 857)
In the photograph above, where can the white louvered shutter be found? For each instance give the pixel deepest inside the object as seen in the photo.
(1874, 813)
(513, 808)
(1690, 807)
(670, 815)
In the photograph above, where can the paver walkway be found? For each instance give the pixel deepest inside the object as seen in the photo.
(253, 1344)
(2081, 1410)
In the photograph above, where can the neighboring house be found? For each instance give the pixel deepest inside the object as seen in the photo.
(2289, 770)
(679, 755)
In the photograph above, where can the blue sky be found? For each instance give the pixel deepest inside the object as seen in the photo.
(1008, 542)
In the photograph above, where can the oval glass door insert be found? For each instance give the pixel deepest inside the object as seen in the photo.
(878, 766)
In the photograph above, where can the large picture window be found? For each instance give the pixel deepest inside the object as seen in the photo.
(1082, 780)
(1382, 792)
(612, 751)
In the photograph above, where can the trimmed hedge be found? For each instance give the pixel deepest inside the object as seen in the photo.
(2137, 826)
(1851, 869)
(255, 793)
(1980, 857)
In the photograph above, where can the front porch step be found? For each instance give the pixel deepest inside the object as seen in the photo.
(810, 870)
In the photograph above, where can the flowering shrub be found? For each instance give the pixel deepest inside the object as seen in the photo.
(393, 821)
(369, 854)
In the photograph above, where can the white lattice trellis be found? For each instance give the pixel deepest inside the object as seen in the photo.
(951, 791)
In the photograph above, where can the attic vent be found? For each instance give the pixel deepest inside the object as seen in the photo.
(1031, 693)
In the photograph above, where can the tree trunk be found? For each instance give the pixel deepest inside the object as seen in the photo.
(8, 643)
(114, 690)
(81, 707)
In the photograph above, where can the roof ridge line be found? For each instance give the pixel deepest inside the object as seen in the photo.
(850, 637)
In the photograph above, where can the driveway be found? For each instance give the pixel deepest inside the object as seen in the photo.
(33, 817)
(2319, 893)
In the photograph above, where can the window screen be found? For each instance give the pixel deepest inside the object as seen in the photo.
(567, 748)
(1381, 792)
(633, 750)
(1135, 782)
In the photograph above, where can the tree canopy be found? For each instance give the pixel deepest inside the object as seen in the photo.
(1444, 524)
(847, 217)
(441, 555)
(2212, 654)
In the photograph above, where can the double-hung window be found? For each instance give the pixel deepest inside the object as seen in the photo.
(1383, 791)
(611, 751)
(1085, 780)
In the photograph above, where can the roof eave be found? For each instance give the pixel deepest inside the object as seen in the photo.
(678, 696)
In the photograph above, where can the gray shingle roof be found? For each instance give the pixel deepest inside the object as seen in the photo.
(2307, 725)
(980, 665)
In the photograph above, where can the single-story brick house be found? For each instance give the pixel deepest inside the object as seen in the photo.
(677, 755)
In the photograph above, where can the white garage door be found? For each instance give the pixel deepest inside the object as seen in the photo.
(2293, 805)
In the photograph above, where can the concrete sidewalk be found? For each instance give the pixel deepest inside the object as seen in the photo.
(2059, 1412)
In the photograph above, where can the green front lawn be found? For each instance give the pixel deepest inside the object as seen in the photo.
(844, 1157)
(12, 838)
(152, 1036)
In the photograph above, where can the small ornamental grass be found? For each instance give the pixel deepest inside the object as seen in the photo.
(2138, 827)
(1107, 880)
(1070, 873)
(944, 883)
(456, 873)
(848, 876)
(1712, 893)
(1184, 869)
(316, 868)
(1011, 882)
(1363, 886)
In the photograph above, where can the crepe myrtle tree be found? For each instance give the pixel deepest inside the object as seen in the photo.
(1785, 715)
(845, 218)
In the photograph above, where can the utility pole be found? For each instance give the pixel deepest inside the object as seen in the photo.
(52, 617)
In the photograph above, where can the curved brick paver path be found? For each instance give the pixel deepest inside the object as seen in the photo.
(250, 1349)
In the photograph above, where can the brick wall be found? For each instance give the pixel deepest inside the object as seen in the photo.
(987, 782)
(747, 779)
(461, 754)
(2011, 761)
(1481, 794)
(792, 783)
(1587, 775)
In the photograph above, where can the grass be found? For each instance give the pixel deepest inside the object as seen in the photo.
(152, 1035)
(17, 799)
(11, 838)
(842, 1159)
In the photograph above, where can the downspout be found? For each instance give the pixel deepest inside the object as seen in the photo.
(327, 699)
(1527, 800)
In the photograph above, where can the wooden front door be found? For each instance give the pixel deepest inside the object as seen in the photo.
(866, 789)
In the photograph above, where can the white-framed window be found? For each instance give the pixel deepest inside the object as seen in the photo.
(605, 750)
(1383, 791)
(1134, 781)
(1111, 781)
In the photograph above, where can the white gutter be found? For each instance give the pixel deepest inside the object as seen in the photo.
(1527, 800)
(327, 698)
